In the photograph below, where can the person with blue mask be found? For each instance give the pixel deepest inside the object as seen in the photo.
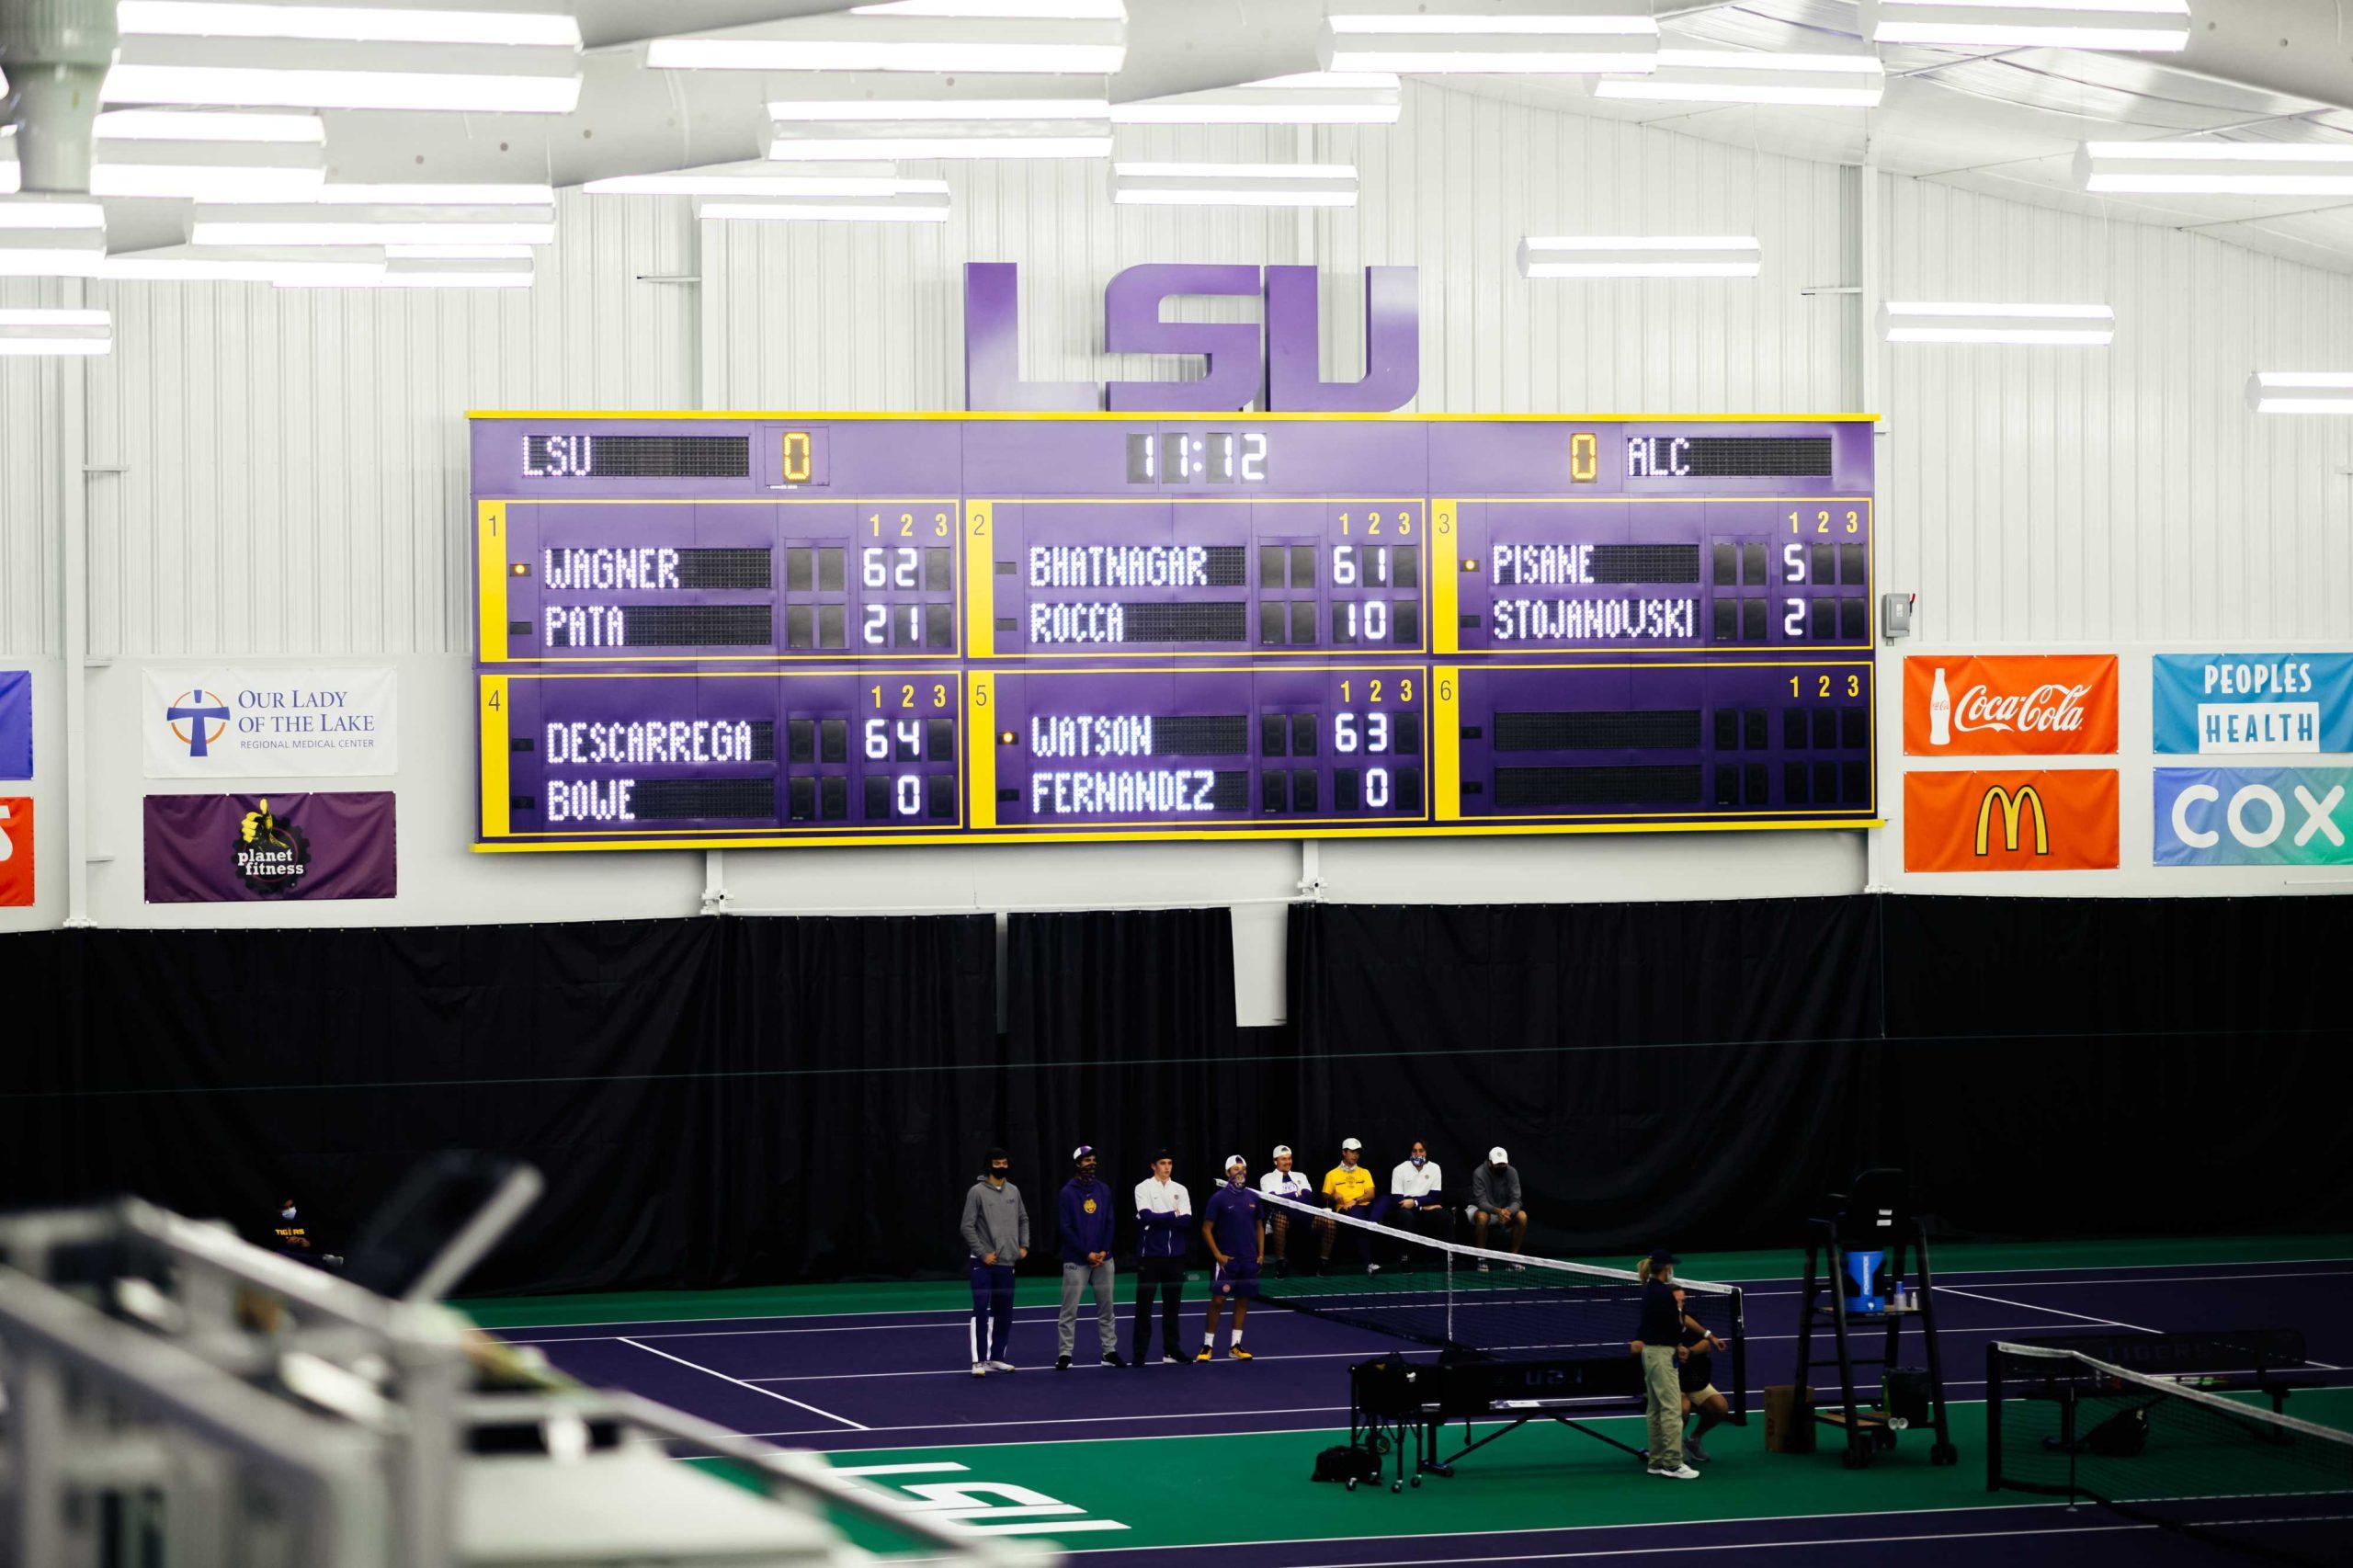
(1417, 1200)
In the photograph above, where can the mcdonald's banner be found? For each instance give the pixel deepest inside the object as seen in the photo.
(2054, 820)
(2009, 705)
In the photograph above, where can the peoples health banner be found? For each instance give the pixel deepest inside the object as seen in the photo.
(248, 722)
(16, 724)
(256, 849)
(2254, 816)
(2209, 703)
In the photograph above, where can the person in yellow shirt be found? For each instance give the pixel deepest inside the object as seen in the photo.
(1349, 1188)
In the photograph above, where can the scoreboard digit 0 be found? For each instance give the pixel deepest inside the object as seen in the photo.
(841, 629)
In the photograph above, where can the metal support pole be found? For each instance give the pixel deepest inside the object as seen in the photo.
(73, 526)
(1887, 717)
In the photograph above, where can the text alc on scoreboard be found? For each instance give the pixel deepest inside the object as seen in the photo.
(826, 629)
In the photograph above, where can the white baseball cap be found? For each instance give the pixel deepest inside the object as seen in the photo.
(1234, 1160)
(1350, 1143)
(1496, 1156)
(1282, 1150)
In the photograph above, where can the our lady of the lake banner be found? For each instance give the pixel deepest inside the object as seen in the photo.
(266, 849)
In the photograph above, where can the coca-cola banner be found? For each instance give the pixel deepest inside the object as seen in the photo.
(2009, 705)
(2044, 819)
(250, 848)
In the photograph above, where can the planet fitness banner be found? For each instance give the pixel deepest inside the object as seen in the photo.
(2209, 703)
(2254, 816)
(252, 849)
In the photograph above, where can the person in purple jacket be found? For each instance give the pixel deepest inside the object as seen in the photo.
(1082, 1238)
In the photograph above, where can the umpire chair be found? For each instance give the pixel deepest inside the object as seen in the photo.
(1856, 1255)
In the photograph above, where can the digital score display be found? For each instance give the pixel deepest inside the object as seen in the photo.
(712, 630)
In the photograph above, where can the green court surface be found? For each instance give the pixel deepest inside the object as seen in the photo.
(1255, 1489)
(808, 1301)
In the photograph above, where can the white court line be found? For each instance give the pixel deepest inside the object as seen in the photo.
(742, 1385)
(1279, 1355)
(2056, 1311)
(1679, 1547)
(1745, 1285)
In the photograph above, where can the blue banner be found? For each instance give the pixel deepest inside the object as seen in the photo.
(2254, 816)
(16, 724)
(2210, 703)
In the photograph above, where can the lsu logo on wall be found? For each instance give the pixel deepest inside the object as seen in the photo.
(15, 851)
(2209, 703)
(2010, 705)
(2253, 816)
(2049, 820)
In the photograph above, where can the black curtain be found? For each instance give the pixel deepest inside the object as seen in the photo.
(708, 1100)
(1120, 1032)
(1655, 1071)
(2122, 1066)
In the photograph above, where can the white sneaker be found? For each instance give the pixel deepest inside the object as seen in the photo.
(1680, 1473)
(980, 1369)
(1003, 1367)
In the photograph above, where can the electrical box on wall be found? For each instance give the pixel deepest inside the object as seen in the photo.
(1895, 615)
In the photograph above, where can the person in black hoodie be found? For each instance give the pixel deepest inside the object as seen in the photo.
(1082, 1219)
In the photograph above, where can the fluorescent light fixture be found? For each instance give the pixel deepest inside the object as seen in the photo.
(2088, 326)
(287, 224)
(44, 235)
(36, 210)
(921, 201)
(2301, 392)
(46, 332)
(2216, 168)
(208, 125)
(412, 272)
(329, 54)
(331, 20)
(1062, 10)
(206, 170)
(1233, 185)
(439, 195)
(990, 39)
(12, 178)
(1668, 255)
(830, 142)
(861, 178)
(1310, 98)
(2158, 25)
(244, 264)
(1508, 37)
(1753, 76)
(457, 253)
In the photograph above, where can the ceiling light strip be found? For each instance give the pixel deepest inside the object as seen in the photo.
(1636, 255)
(2084, 326)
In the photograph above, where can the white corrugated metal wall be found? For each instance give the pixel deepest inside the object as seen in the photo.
(294, 474)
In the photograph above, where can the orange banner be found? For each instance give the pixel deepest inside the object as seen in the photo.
(2009, 705)
(15, 849)
(2037, 821)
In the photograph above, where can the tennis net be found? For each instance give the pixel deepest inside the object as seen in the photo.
(1469, 1301)
(2165, 1451)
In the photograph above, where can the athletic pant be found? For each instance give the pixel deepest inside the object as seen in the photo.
(1165, 1275)
(1664, 1390)
(1077, 1277)
(1432, 1224)
(992, 1310)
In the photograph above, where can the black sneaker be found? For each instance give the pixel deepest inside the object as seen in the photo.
(1062, 1363)
(1693, 1450)
(1112, 1359)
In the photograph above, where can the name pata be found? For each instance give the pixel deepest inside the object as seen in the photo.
(2050, 709)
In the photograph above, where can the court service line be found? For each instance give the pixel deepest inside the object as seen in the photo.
(740, 1383)
(1679, 1546)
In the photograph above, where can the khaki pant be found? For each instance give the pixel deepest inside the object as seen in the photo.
(1664, 1389)
(1077, 1277)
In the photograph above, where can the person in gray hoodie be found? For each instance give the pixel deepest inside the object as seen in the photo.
(996, 1233)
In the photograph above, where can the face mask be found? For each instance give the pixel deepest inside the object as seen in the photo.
(998, 1173)
(1421, 1159)
(1235, 1179)
(287, 1212)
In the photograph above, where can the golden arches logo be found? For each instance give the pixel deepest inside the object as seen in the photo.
(2013, 808)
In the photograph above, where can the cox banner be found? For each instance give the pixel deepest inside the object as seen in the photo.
(16, 724)
(15, 850)
(2039, 820)
(2209, 703)
(2009, 705)
(246, 848)
(2254, 816)
(255, 723)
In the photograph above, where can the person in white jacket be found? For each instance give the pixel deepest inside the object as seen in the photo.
(1417, 1200)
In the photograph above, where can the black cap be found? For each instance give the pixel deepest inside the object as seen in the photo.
(994, 1155)
(1160, 1154)
(1663, 1257)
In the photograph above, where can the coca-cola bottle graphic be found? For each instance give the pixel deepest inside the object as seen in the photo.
(1940, 711)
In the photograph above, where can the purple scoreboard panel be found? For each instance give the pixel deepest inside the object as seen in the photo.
(700, 630)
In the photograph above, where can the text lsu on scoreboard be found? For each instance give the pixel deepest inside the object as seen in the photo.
(699, 631)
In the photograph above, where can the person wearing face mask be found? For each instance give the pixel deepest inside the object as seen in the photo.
(1082, 1238)
(1238, 1242)
(996, 1232)
(1348, 1189)
(1417, 1199)
(1283, 1182)
(1164, 1210)
(292, 1236)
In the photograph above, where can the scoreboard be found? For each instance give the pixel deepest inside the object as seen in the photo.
(697, 631)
